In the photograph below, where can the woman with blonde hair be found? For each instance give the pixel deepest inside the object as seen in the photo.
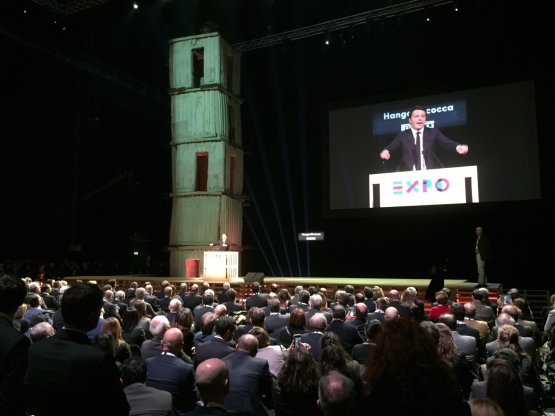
(123, 350)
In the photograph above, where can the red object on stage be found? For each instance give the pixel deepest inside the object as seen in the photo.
(192, 268)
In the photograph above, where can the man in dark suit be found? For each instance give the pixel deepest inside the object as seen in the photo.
(397, 303)
(256, 299)
(232, 306)
(481, 250)
(223, 243)
(192, 299)
(348, 334)
(217, 346)
(212, 379)
(143, 399)
(168, 372)
(67, 362)
(318, 324)
(418, 144)
(250, 379)
(13, 347)
(275, 320)
(207, 305)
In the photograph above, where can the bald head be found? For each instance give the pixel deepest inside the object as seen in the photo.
(318, 322)
(212, 380)
(173, 340)
(248, 343)
(42, 330)
(394, 294)
(391, 312)
(220, 310)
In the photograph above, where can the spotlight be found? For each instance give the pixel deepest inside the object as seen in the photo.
(135, 5)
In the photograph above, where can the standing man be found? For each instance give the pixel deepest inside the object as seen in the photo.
(13, 348)
(482, 253)
(419, 143)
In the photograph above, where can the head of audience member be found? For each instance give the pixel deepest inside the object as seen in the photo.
(220, 310)
(255, 287)
(174, 306)
(334, 357)
(41, 331)
(449, 320)
(504, 319)
(168, 291)
(194, 288)
(304, 296)
(208, 297)
(133, 370)
(225, 327)
(338, 312)
(391, 312)
(212, 380)
(504, 386)
(381, 303)
(208, 322)
(469, 310)
(446, 347)
(318, 322)
(300, 372)
(120, 296)
(183, 319)
(361, 311)
(257, 316)
(172, 341)
(442, 298)
(405, 360)
(248, 343)
(483, 406)
(284, 297)
(273, 305)
(297, 318)
(432, 331)
(12, 294)
(394, 295)
(315, 301)
(140, 306)
(112, 325)
(336, 394)
(159, 325)
(524, 307)
(371, 329)
(204, 286)
(106, 342)
(129, 320)
(508, 337)
(231, 294)
(81, 305)
(262, 335)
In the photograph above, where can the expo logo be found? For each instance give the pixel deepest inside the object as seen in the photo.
(426, 185)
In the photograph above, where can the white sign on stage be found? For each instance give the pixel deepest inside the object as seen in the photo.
(221, 265)
(424, 187)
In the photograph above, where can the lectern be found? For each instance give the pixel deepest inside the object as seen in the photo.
(221, 265)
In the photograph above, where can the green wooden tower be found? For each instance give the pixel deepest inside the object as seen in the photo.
(207, 155)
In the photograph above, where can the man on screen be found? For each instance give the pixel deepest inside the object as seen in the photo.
(418, 144)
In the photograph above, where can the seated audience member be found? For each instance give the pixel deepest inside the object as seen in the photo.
(483, 406)
(13, 347)
(361, 351)
(218, 346)
(123, 350)
(336, 394)
(81, 371)
(505, 388)
(296, 390)
(168, 372)
(274, 354)
(405, 375)
(184, 321)
(443, 306)
(132, 332)
(250, 379)
(158, 327)
(295, 325)
(318, 324)
(143, 400)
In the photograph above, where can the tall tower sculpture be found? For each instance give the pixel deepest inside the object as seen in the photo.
(207, 157)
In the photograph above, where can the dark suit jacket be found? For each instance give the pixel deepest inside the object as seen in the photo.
(170, 373)
(68, 363)
(275, 322)
(233, 306)
(215, 347)
(13, 364)
(258, 299)
(192, 300)
(198, 312)
(432, 139)
(348, 334)
(314, 340)
(148, 400)
(250, 383)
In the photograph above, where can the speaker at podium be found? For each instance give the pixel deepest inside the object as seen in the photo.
(252, 277)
